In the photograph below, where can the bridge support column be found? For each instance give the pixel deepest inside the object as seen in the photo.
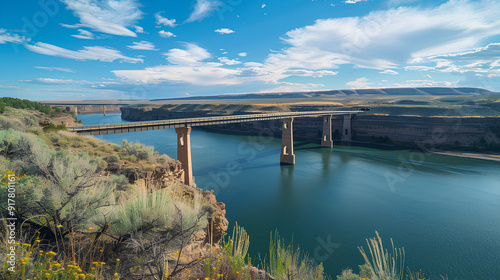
(287, 156)
(184, 153)
(346, 131)
(104, 110)
(326, 140)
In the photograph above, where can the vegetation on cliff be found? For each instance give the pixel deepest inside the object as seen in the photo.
(86, 209)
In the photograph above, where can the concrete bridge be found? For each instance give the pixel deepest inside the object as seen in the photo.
(183, 130)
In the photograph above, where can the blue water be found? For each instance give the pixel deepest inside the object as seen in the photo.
(444, 210)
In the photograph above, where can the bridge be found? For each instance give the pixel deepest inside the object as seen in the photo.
(183, 130)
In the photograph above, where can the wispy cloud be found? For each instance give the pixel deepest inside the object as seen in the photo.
(243, 54)
(142, 45)
(203, 9)
(138, 29)
(191, 55)
(359, 83)
(55, 69)
(353, 1)
(228, 61)
(426, 83)
(106, 16)
(389, 72)
(10, 38)
(224, 31)
(88, 53)
(164, 21)
(166, 34)
(84, 34)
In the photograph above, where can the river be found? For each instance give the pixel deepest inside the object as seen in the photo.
(444, 210)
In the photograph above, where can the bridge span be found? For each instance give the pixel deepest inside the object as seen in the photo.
(183, 130)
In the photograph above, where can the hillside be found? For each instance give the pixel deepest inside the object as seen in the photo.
(435, 91)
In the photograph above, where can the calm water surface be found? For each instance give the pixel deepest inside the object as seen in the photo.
(445, 211)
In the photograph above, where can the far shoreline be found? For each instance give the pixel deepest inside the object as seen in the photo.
(484, 156)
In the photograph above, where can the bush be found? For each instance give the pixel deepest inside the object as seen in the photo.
(64, 143)
(112, 158)
(138, 150)
(77, 145)
(121, 182)
(53, 128)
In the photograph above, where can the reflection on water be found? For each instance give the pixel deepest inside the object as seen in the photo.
(445, 212)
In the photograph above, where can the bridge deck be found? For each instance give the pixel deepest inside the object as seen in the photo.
(105, 129)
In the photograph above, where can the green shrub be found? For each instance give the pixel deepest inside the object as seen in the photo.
(115, 147)
(138, 150)
(64, 143)
(164, 159)
(53, 128)
(77, 145)
(112, 158)
(121, 182)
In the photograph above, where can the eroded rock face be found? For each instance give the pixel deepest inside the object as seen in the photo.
(166, 176)
(217, 222)
(161, 177)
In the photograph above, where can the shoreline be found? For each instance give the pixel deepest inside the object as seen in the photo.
(492, 157)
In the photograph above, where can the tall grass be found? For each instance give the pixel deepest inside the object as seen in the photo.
(287, 262)
(382, 264)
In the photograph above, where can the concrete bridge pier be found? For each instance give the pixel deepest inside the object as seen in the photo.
(104, 110)
(184, 153)
(326, 140)
(287, 156)
(347, 128)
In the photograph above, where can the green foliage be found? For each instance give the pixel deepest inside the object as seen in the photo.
(77, 145)
(164, 159)
(138, 150)
(121, 182)
(54, 128)
(112, 158)
(286, 262)
(23, 104)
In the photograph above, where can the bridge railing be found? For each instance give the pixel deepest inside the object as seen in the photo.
(199, 120)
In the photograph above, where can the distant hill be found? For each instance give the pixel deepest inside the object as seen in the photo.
(346, 92)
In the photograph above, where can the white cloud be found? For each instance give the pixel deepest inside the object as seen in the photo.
(106, 16)
(359, 83)
(309, 73)
(84, 34)
(224, 31)
(263, 6)
(8, 38)
(55, 69)
(242, 54)
(228, 61)
(192, 55)
(166, 34)
(142, 45)
(426, 83)
(387, 38)
(292, 87)
(253, 64)
(353, 1)
(138, 29)
(389, 72)
(164, 21)
(88, 53)
(203, 9)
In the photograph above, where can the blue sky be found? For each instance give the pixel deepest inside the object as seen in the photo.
(144, 49)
